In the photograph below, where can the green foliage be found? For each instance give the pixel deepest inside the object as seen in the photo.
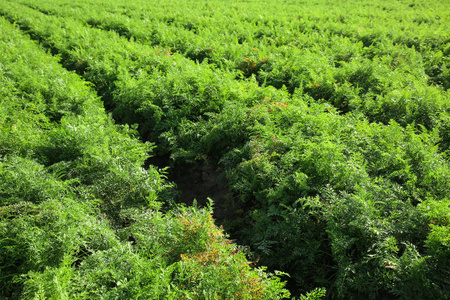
(26, 180)
(329, 119)
(315, 294)
(76, 201)
(36, 237)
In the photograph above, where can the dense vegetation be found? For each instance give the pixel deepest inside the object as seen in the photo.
(80, 217)
(329, 119)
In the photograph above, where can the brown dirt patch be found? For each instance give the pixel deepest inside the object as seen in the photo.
(199, 181)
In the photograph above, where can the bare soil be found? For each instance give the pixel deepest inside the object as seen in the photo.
(199, 181)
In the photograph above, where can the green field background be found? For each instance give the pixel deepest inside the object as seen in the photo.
(314, 136)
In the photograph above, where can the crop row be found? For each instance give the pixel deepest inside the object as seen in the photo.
(224, 36)
(386, 81)
(336, 200)
(79, 215)
(362, 20)
(145, 85)
(389, 87)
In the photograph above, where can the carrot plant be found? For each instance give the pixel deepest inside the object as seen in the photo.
(330, 122)
(71, 178)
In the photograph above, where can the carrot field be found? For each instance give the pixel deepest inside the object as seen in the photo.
(190, 149)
